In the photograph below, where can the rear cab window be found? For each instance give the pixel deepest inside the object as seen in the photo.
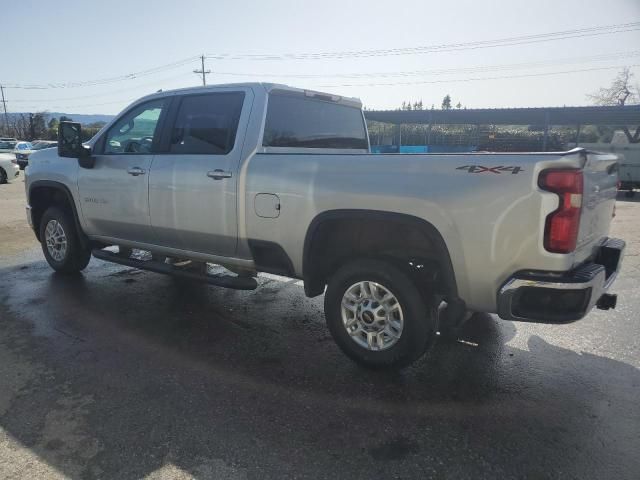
(295, 120)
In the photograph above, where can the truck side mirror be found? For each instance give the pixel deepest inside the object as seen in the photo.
(70, 144)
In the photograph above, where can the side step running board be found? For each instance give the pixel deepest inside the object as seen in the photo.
(226, 281)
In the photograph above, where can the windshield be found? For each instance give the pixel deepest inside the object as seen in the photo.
(43, 145)
(24, 146)
(7, 145)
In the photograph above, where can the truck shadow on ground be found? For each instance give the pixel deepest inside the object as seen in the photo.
(127, 372)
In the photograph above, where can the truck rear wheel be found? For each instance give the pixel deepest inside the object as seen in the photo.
(377, 315)
(60, 243)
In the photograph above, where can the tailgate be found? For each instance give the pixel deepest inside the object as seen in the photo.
(600, 175)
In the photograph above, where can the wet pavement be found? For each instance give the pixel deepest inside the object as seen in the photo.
(119, 373)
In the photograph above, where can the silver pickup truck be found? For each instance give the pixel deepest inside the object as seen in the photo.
(268, 178)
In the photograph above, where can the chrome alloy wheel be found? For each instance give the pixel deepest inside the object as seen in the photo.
(56, 240)
(372, 315)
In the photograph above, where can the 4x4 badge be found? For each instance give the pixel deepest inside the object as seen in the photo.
(499, 169)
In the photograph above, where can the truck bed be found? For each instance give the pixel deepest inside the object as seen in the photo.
(487, 206)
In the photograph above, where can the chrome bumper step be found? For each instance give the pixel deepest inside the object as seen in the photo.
(552, 297)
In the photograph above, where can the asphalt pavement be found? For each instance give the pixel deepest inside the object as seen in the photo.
(119, 373)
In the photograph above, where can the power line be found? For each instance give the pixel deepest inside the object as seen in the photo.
(510, 41)
(64, 107)
(469, 70)
(104, 94)
(105, 80)
(424, 82)
(520, 40)
(203, 71)
(544, 37)
(476, 69)
(391, 84)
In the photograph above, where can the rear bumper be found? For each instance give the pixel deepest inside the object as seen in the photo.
(551, 297)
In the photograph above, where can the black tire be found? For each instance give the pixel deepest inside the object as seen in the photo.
(76, 257)
(3, 176)
(420, 315)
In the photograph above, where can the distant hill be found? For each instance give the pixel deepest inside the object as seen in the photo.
(83, 118)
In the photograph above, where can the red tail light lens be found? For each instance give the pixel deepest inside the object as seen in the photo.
(562, 225)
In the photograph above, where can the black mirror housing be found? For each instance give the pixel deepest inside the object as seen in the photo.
(70, 144)
(70, 140)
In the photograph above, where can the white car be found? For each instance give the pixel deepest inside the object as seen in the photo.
(23, 148)
(9, 168)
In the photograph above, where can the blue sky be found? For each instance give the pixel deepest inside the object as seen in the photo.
(78, 41)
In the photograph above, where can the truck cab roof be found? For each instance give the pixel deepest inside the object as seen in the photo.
(265, 86)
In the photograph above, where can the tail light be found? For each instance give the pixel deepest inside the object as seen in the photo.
(562, 225)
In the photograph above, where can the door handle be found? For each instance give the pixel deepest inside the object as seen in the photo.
(135, 171)
(218, 174)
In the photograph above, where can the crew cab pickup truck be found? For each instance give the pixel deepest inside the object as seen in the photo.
(269, 178)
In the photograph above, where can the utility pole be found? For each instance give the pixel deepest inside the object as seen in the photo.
(6, 117)
(203, 71)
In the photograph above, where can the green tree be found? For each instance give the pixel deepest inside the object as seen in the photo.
(52, 132)
(446, 102)
(37, 126)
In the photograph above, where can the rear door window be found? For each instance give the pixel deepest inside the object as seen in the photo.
(207, 124)
(297, 121)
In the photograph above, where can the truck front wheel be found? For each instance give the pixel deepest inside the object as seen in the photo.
(60, 243)
(377, 315)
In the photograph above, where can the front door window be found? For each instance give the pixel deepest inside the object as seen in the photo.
(135, 132)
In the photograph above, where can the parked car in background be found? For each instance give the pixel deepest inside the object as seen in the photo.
(23, 156)
(22, 152)
(8, 167)
(23, 147)
(7, 144)
(628, 160)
